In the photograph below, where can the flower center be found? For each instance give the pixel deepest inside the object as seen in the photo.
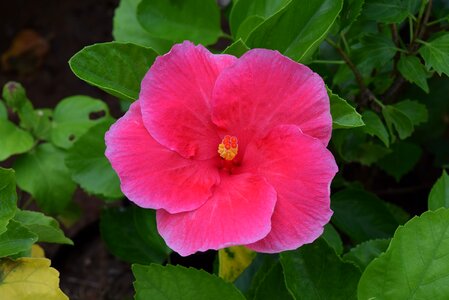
(229, 147)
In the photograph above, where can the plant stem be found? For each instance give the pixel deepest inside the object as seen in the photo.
(438, 21)
(335, 62)
(366, 94)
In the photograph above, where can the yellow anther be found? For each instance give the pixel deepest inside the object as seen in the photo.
(229, 147)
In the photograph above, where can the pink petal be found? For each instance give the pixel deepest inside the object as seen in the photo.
(264, 89)
(175, 97)
(300, 169)
(153, 176)
(238, 213)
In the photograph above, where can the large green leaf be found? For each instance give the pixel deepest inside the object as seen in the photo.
(401, 160)
(13, 140)
(46, 228)
(436, 54)
(297, 29)
(245, 9)
(439, 195)
(90, 168)
(238, 48)
(415, 264)
(364, 253)
(131, 234)
(194, 20)
(411, 69)
(362, 216)
(73, 116)
(157, 282)
(43, 174)
(17, 238)
(314, 271)
(117, 68)
(273, 285)
(126, 28)
(386, 11)
(375, 127)
(343, 114)
(8, 197)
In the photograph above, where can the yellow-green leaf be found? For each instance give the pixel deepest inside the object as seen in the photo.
(29, 279)
(233, 261)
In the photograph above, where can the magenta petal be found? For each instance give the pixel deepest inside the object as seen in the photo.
(264, 89)
(300, 169)
(153, 176)
(238, 213)
(175, 97)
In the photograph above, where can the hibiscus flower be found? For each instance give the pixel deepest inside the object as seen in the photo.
(228, 151)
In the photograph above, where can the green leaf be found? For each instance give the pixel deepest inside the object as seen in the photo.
(273, 285)
(386, 11)
(297, 29)
(439, 195)
(369, 153)
(117, 68)
(8, 197)
(86, 161)
(175, 282)
(46, 228)
(248, 26)
(3, 111)
(127, 29)
(43, 174)
(415, 264)
(74, 116)
(13, 140)
(350, 12)
(131, 234)
(314, 271)
(246, 9)
(398, 120)
(364, 253)
(29, 278)
(238, 48)
(362, 215)
(376, 50)
(401, 160)
(194, 20)
(233, 261)
(43, 123)
(415, 111)
(436, 54)
(252, 277)
(343, 114)
(332, 238)
(411, 69)
(375, 127)
(17, 238)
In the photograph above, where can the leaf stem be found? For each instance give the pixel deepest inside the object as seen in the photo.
(438, 21)
(335, 62)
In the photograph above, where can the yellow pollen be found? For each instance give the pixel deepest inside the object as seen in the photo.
(229, 147)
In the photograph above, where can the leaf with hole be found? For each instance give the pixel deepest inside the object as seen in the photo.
(73, 117)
